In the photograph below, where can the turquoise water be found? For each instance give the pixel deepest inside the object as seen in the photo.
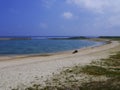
(10, 47)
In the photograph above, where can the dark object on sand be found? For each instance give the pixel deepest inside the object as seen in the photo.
(76, 51)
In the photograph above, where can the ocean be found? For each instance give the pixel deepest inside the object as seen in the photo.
(42, 46)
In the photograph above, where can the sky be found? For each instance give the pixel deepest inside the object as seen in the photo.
(59, 17)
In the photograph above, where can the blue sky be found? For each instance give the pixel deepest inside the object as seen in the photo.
(59, 17)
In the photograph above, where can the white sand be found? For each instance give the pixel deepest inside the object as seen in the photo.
(24, 71)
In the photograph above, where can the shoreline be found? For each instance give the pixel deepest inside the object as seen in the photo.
(26, 71)
(19, 56)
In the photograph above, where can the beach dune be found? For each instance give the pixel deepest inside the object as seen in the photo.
(17, 71)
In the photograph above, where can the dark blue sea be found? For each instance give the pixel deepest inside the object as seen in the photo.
(42, 46)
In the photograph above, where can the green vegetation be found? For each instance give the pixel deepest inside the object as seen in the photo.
(80, 37)
(99, 75)
(113, 61)
(98, 70)
(110, 84)
(110, 37)
(70, 38)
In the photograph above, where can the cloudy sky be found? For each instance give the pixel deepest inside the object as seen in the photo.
(59, 17)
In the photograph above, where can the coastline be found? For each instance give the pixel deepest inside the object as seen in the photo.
(23, 71)
(19, 56)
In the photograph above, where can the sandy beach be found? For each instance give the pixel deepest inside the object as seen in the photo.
(18, 71)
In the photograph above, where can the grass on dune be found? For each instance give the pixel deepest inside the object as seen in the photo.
(113, 62)
(97, 70)
(110, 84)
(71, 79)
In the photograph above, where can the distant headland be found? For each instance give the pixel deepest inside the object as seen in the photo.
(15, 38)
(55, 37)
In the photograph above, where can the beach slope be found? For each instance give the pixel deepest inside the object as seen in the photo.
(23, 71)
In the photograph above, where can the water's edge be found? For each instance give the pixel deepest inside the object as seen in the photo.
(11, 57)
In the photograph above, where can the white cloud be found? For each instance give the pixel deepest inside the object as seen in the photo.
(67, 15)
(43, 25)
(107, 11)
(100, 6)
(48, 3)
